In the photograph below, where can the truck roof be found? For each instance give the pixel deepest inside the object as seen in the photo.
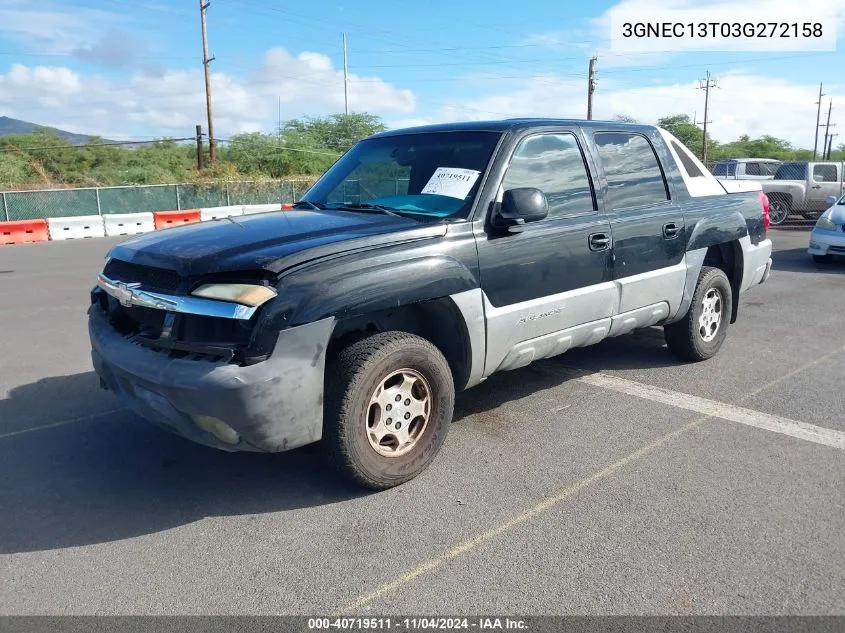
(503, 125)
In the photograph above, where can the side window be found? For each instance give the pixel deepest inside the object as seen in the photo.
(824, 173)
(721, 169)
(554, 164)
(634, 177)
(752, 169)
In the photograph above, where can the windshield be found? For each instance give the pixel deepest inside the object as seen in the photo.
(435, 174)
(725, 169)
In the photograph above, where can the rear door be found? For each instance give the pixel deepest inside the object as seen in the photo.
(555, 274)
(649, 239)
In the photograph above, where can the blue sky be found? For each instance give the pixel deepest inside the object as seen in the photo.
(131, 69)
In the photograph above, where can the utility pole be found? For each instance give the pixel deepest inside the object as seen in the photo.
(830, 145)
(212, 149)
(591, 87)
(199, 147)
(827, 127)
(345, 79)
(818, 121)
(705, 86)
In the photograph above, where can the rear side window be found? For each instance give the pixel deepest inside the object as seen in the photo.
(769, 169)
(634, 176)
(791, 171)
(690, 167)
(824, 173)
(752, 169)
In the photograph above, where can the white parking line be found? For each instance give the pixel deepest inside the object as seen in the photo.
(84, 418)
(716, 409)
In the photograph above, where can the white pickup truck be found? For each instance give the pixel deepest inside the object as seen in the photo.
(803, 187)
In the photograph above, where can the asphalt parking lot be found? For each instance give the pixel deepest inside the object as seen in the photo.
(588, 484)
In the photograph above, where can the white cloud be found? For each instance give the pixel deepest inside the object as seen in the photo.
(49, 27)
(745, 103)
(172, 102)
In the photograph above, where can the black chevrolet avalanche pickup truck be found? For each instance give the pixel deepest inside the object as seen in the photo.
(423, 261)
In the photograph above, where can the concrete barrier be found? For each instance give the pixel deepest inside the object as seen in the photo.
(249, 209)
(128, 223)
(214, 213)
(23, 231)
(78, 227)
(166, 219)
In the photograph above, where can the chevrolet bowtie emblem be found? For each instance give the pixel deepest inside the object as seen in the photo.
(124, 292)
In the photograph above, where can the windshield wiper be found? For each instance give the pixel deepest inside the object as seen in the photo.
(308, 205)
(368, 208)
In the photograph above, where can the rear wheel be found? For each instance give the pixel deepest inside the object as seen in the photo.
(389, 403)
(778, 211)
(700, 334)
(823, 259)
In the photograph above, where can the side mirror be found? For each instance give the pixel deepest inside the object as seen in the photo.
(831, 200)
(521, 205)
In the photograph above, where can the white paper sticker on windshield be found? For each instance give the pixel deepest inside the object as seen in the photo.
(451, 181)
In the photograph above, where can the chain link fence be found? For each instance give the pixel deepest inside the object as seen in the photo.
(52, 203)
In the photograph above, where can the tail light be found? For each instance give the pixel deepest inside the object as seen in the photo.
(764, 201)
(289, 205)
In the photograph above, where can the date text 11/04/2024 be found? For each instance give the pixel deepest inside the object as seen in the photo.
(722, 29)
(412, 624)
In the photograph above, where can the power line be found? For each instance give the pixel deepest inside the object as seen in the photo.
(818, 121)
(345, 79)
(212, 150)
(122, 143)
(287, 149)
(827, 127)
(706, 86)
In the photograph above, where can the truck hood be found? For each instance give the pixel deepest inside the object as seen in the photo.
(271, 241)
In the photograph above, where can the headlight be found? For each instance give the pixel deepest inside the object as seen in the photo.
(246, 294)
(825, 223)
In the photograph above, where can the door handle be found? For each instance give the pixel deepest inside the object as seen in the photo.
(599, 242)
(670, 230)
(817, 186)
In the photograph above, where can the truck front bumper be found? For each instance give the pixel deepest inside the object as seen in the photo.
(826, 242)
(272, 406)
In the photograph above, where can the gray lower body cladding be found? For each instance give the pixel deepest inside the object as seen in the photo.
(273, 406)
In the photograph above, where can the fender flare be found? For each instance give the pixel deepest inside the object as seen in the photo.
(361, 291)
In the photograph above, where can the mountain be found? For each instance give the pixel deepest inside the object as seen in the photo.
(9, 126)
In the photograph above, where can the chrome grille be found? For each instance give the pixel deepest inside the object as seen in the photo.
(148, 276)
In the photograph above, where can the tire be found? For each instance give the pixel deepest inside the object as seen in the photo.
(690, 338)
(359, 393)
(778, 211)
(823, 259)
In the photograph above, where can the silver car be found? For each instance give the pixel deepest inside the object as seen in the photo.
(828, 236)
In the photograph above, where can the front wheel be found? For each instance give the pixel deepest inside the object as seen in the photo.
(389, 402)
(700, 334)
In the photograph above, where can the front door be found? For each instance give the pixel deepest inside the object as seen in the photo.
(556, 273)
(825, 180)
